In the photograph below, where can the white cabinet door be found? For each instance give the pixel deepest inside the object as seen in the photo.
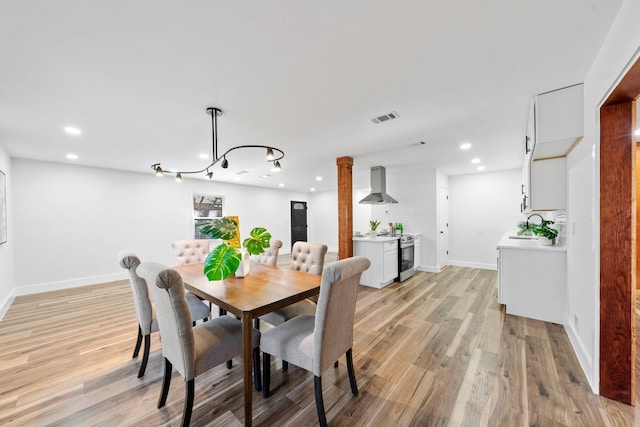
(416, 253)
(548, 184)
(390, 265)
(559, 118)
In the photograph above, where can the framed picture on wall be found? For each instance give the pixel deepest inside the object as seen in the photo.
(205, 208)
(3, 208)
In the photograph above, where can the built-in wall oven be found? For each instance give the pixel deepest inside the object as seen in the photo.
(406, 257)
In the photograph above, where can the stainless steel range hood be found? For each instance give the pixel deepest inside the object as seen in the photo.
(378, 195)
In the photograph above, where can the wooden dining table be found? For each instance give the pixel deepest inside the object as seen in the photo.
(262, 291)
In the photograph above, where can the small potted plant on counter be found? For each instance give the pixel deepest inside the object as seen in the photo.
(373, 226)
(546, 235)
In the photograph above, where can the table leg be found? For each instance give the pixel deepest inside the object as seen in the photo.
(247, 366)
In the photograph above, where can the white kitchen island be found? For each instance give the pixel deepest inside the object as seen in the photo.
(532, 279)
(382, 251)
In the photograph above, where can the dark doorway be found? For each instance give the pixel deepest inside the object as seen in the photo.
(298, 222)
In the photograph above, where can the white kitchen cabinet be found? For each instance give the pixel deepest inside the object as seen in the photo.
(532, 279)
(548, 184)
(416, 252)
(559, 121)
(383, 254)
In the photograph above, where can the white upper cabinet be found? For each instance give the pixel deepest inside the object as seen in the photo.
(559, 121)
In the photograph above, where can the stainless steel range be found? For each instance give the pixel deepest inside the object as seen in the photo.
(406, 257)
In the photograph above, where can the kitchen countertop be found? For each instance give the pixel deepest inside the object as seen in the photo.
(379, 239)
(532, 244)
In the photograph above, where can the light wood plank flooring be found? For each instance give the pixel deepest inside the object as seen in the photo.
(436, 350)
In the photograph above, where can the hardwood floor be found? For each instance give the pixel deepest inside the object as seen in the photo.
(436, 350)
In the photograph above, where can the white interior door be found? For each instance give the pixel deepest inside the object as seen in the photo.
(443, 226)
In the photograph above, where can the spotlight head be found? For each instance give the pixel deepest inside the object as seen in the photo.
(209, 175)
(270, 155)
(276, 167)
(158, 169)
(225, 163)
(178, 177)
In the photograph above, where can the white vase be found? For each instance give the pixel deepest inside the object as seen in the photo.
(373, 234)
(245, 263)
(543, 241)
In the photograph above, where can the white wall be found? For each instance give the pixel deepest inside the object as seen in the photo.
(618, 52)
(323, 219)
(72, 220)
(7, 249)
(483, 207)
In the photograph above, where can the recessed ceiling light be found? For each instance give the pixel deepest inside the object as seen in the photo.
(204, 156)
(480, 168)
(318, 178)
(475, 161)
(265, 176)
(236, 178)
(281, 185)
(312, 189)
(72, 131)
(71, 156)
(465, 146)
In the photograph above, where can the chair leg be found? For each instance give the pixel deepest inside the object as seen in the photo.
(257, 378)
(194, 323)
(221, 312)
(266, 374)
(352, 373)
(317, 388)
(256, 323)
(285, 366)
(188, 402)
(145, 355)
(138, 343)
(166, 382)
(336, 364)
(229, 364)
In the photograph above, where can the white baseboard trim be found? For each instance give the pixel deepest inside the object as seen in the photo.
(429, 269)
(65, 284)
(481, 265)
(7, 303)
(585, 361)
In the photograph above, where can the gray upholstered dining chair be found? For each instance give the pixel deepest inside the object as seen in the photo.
(270, 255)
(145, 312)
(192, 350)
(190, 251)
(316, 342)
(309, 258)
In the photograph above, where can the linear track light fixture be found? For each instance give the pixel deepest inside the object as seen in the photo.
(274, 155)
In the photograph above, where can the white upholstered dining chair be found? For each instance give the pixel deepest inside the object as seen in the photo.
(316, 342)
(270, 255)
(190, 251)
(191, 350)
(145, 311)
(309, 258)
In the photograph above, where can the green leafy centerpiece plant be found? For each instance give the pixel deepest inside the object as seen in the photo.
(544, 230)
(227, 259)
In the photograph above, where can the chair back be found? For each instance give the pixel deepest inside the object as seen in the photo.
(174, 318)
(190, 251)
(144, 312)
(308, 257)
(333, 331)
(270, 255)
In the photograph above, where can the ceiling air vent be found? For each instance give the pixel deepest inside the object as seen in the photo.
(385, 117)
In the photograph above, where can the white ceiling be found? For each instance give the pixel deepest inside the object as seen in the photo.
(307, 77)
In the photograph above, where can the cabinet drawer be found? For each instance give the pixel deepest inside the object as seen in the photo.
(390, 245)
